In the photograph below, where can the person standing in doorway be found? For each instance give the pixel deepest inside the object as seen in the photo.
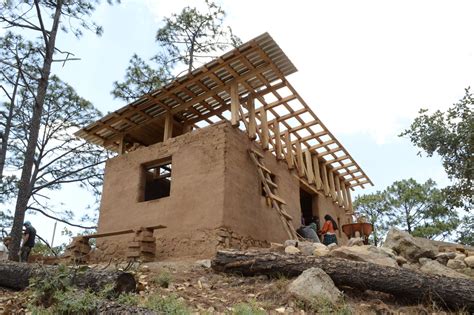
(329, 230)
(29, 236)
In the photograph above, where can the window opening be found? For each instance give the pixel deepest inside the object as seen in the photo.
(306, 204)
(157, 181)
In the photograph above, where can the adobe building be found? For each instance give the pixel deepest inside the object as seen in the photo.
(226, 156)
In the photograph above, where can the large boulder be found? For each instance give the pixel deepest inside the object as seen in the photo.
(407, 246)
(367, 253)
(469, 261)
(435, 268)
(307, 248)
(314, 284)
(456, 264)
(443, 258)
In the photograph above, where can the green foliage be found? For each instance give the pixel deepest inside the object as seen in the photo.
(466, 230)
(166, 305)
(72, 301)
(417, 208)
(163, 279)
(450, 135)
(250, 308)
(128, 299)
(373, 208)
(185, 39)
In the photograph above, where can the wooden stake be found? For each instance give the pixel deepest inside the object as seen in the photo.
(344, 194)
(317, 175)
(309, 166)
(252, 121)
(121, 147)
(338, 189)
(276, 131)
(289, 151)
(299, 159)
(264, 128)
(349, 198)
(324, 173)
(234, 104)
(331, 185)
(168, 133)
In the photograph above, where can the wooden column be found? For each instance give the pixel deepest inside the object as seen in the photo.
(252, 120)
(299, 159)
(234, 104)
(168, 133)
(317, 175)
(276, 131)
(338, 190)
(121, 147)
(309, 166)
(324, 173)
(331, 185)
(289, 151)
(349, 198)
(344, 194)
(264, 128)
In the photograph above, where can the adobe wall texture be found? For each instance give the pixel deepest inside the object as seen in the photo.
(215, 200)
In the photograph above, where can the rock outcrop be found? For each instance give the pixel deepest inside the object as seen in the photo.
(314, 284)
(407, 246)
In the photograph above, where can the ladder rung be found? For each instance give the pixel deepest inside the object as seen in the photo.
(257, 153)
(269, 182)
(278, 199)
(286, 215)
(264, 168)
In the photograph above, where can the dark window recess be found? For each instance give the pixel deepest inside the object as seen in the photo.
(272, 176)
(306, 204)
(158, 181)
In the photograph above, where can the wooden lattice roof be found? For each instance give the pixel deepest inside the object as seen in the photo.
(258, 68)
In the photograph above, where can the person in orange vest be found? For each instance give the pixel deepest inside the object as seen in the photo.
(329, 230)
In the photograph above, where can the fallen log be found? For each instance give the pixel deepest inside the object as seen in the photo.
(400, 282)
(17, 276)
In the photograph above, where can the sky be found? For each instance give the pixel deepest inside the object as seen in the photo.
(364, 67)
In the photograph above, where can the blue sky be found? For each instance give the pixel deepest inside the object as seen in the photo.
(364, 67)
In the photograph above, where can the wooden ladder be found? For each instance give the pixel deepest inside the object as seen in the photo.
(271, 192)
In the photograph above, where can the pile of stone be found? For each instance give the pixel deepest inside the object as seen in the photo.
(400, 250)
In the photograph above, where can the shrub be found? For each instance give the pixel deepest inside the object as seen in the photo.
(249, 308)
(128, 299)
(166, 305)
(163, 279)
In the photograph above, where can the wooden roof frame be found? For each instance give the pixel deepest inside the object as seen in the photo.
(256, 71)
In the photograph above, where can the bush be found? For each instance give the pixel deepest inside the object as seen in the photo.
(250, 308)
(166, 305)
(163, 279)
(323, 305)
(128, 299)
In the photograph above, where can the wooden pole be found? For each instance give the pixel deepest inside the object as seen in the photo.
(317, 174)
(349, 198)
(309, 166)
(276, 131)
(234, 104)
(299, 160)
(338, 189)
(264, 128)
(168, 133)
(331, 185)
(289, 151)
(252, 121)
(324, 173)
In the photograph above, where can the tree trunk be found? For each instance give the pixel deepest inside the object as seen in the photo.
(24, 186)
(17, 276)
(400, 282)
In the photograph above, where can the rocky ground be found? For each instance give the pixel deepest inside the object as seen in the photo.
(203, 291)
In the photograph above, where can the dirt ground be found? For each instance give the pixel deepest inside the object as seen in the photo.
(205, 291)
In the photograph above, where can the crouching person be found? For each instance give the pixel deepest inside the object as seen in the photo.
(4, 248)
(28, 241)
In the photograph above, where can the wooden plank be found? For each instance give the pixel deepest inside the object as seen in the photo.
(252, 121)
(264, 128)
(263, 167)
(338, 190)
(309, 166)
(260, 155)
(234, 104)
(289, 151)
(344, 194)
(121, 148)
(317, 174)
(278, 150)
(168, 132)
(349, 198)
(324, 173)
(277, 198)
(299, 160)
(332, 189)
(105, 234)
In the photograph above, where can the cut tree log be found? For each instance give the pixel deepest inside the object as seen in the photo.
(17, 276)
(400, 282)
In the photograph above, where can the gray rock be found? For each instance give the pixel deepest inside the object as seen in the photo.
(367, 253)
(205, 263)
(460, 257)
(332, 246)
(469, 261)
(307, 248)
(400, 260)
(435, 268)
(443, 258)
(456, 264)
(355, 241)
(292, 250)
(291, 243)
(313, 284)
(407, 246)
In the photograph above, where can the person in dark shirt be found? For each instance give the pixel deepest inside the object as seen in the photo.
(28, 241)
